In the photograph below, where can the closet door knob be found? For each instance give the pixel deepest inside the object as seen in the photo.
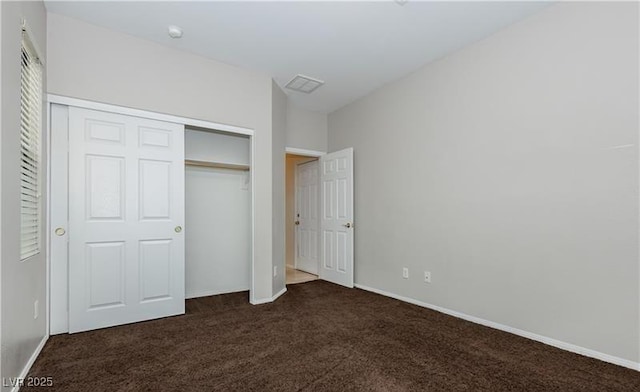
(178, 229)
(59, 231)
(297, 223)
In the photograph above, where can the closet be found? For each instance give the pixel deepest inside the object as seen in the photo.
(217, 213)
(146, 209)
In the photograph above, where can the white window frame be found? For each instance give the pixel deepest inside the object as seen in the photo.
(31, 125)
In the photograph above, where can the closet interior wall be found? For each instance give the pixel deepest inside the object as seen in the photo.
(218, 213)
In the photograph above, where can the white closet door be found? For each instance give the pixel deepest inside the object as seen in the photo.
(126, 209)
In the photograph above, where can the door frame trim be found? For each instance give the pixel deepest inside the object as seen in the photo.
(123, 110)
(127, 111)
(303, 152)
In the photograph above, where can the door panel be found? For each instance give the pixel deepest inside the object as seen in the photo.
(104, 132)
(341, 251)
(155, 269)
(105, 187)
(327, 201)
(336, 223)
(155, 138)
(154, 189)
(105, 274)
(327, 255)
(307, 215)
(126, 198)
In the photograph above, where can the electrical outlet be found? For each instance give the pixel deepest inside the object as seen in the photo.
(405, 273)
(36, 310)
(275, 271)
(427, 277)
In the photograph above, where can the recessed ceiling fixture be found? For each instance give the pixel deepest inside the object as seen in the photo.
(175, 32)
(304, 84)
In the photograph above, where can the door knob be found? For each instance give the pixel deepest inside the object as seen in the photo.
(348, 225)
(178, 229)
(297, 223)
(59, 231)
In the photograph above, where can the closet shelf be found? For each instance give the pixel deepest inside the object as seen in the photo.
(218, 165)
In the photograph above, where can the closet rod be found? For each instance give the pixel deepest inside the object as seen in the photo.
(218, 165)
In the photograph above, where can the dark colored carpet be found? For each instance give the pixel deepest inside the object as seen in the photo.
(317, 337)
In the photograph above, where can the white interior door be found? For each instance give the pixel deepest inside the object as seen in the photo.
(307, 210)
(126, 208)
(336, 217)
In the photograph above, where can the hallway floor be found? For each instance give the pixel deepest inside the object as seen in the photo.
(296, 276)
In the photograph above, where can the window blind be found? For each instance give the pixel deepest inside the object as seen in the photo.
(30, 164)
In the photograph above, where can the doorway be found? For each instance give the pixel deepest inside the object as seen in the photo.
(320, 227)
(335, 182)
(302, 209)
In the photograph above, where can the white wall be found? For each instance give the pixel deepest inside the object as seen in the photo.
(216, 147)
(279, 123)
(510, 171)
(94, 63)
(306, 129)
(217, 231)
(22, 283)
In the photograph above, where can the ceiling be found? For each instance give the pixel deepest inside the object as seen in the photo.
(355, 47)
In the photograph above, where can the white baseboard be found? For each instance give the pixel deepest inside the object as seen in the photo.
(279, 293)
(32, 359)
(209, 293)
(529, 335)
(267, 300)
(260, 301)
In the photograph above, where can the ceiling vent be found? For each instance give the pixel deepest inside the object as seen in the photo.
(304, 84)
